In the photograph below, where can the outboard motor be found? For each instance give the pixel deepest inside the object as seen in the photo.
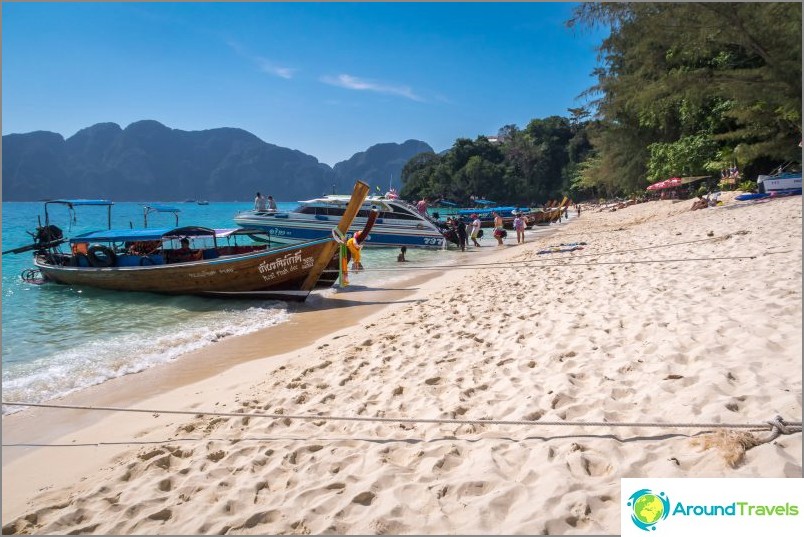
(47, 234)
(44, 237)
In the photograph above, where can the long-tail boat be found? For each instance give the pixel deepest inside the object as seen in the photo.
(162, 261)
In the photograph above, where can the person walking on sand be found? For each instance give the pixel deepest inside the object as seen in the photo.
(499, 232)
(519, 226)
(259, 202)
(475, 229)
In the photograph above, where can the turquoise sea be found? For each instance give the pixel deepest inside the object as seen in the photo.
(58, 339)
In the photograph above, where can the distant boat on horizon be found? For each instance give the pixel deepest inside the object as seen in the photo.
(203, 202)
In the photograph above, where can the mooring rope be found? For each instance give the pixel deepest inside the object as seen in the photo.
(777, 425)
(614, 252)
(527, 264)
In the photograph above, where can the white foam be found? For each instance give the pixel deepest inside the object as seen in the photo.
(94, 362)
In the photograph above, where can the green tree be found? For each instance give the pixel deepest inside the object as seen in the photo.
(685, 88)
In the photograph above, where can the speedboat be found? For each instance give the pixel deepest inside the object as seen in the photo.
(786, 183)
(398, 222)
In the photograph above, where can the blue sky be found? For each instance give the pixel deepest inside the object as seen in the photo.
(328, 79)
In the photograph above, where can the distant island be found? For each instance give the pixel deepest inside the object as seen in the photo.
(148, 160)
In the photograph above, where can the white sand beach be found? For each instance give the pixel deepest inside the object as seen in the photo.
(712, 334)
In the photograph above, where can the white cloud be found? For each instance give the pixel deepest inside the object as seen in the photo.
(267, 66)
(354, 83)
(263, 64)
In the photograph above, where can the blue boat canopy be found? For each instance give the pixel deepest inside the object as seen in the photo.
(80, 202)
(480, 212)
(162, 208)
(130, 235)
(72, 204)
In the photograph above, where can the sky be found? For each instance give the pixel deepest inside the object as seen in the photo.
(327, 79)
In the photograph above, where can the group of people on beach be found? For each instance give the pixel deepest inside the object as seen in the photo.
(465, 231)
(261, 204)
(472, 231)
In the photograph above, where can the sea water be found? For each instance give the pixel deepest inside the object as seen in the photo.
(58, 339)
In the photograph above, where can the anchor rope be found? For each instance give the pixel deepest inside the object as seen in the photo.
(527, 264)
(777, 425)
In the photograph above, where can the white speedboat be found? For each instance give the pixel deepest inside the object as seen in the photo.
(398, 223)
(781, 183)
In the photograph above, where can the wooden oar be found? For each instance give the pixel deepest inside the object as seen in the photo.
(358, 196)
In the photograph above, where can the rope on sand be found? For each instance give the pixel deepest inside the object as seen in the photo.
(777, 425)
(529, 264)
(525, 264)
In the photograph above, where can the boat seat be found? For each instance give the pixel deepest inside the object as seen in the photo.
(321, 217)
(127, 260)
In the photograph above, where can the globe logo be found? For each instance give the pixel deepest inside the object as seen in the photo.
(648, 508)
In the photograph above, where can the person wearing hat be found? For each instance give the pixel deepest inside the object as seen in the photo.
(475, 229)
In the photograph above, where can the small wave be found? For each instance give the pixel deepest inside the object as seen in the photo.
(93, 362)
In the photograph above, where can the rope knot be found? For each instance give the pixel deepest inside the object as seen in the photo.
(338, 236)
(778, 426)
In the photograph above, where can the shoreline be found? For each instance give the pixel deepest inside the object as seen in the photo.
(615, 337)
(308, 322)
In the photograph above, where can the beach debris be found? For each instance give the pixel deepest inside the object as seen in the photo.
(731, 444)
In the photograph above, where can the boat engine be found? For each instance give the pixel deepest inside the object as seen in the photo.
(47, 234)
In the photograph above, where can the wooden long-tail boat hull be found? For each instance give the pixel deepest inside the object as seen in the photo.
(276, 273)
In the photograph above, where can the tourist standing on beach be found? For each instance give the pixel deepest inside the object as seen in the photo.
(460, 228)
(578, 207)
(499, 232)
(475, 229)
(259, 202)
(519, 226)
(271, 204)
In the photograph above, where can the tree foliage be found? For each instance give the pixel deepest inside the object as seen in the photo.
(687, 88)
(525, 166)
(682, 89)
